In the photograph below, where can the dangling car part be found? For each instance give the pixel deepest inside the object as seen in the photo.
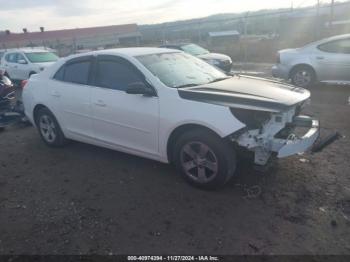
(11, 111)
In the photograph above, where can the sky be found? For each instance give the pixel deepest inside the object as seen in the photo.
(63, 14)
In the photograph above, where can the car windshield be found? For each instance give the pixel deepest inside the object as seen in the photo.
(194, 49)
(180, 70)
(41, 57)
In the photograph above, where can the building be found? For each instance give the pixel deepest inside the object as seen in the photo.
(223, 37)
(71, 40)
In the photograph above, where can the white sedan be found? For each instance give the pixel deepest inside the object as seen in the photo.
(168, 106)
(326, 61)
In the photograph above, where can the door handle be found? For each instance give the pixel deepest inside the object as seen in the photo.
(55, 94)
(320, 57)
(100, 103)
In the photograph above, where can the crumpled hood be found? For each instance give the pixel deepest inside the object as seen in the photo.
(215, 56)
(249, 93)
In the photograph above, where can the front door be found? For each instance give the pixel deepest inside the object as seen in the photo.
(122, 120)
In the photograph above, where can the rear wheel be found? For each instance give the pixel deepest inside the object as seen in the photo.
(49, 129)
(204, 159)
(303, 76)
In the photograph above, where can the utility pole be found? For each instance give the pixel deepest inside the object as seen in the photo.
(317, 20)
(332, 17)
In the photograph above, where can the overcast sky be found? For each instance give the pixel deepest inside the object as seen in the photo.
(61, 14)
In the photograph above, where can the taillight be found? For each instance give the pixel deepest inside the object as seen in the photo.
(23, 83)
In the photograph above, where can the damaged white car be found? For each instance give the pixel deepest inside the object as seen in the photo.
(168, 106)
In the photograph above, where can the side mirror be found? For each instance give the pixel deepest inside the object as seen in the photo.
(139, 88)
(22, 61)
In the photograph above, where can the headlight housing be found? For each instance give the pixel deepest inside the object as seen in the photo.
(213, 62)
(253, 119)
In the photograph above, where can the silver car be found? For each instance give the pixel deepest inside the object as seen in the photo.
(326, 61)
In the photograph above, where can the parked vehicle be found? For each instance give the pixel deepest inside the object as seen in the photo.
(168, 106)
(221, 61)
(20, 64)
(326, 61)
(11, 111)
(1, 54)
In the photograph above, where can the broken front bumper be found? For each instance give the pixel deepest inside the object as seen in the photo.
(294, 144)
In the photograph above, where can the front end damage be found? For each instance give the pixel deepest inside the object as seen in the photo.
(280, 134)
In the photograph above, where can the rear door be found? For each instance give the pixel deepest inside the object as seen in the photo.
(332, 60)
(10, 65)
(23, 67)
(127, 121)
(70, 93)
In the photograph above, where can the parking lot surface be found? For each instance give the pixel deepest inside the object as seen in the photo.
(83, 199)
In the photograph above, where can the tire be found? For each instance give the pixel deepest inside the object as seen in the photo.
(303, 76)
(204, 159)
(49, 129)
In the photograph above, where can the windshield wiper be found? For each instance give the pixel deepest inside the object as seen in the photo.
(186, 85)
(220, 79)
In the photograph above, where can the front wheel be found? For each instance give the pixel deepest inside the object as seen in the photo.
(204, 159)
(49, 128)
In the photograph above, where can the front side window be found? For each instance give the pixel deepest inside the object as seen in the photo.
(194, 49)
(116, 74)
(20, 57)
(339, 46)
(77, 72)
(180, 69)
(41, 57)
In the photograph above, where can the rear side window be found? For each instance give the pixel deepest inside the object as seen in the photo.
(116, 74)
(59, 74)
(77, 72)
(339, 46)
(11, 57)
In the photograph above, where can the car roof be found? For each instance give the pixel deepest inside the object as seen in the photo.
(177, 44)
(131, 51)
(329, 39)
(26, 50)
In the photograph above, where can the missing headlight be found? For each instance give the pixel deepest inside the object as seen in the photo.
(253, 119)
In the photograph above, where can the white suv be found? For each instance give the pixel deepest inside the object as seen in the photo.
(20, 64)
(168, 106)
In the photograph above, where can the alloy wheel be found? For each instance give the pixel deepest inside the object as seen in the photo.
(47, 128)
(199, 162)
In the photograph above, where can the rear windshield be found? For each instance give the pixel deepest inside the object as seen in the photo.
(41, 57)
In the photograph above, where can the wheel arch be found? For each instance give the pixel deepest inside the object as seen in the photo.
(302, 65)
(31, 73)
(178, 131)
(37, 109)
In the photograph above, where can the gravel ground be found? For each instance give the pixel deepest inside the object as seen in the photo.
(83, 199)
